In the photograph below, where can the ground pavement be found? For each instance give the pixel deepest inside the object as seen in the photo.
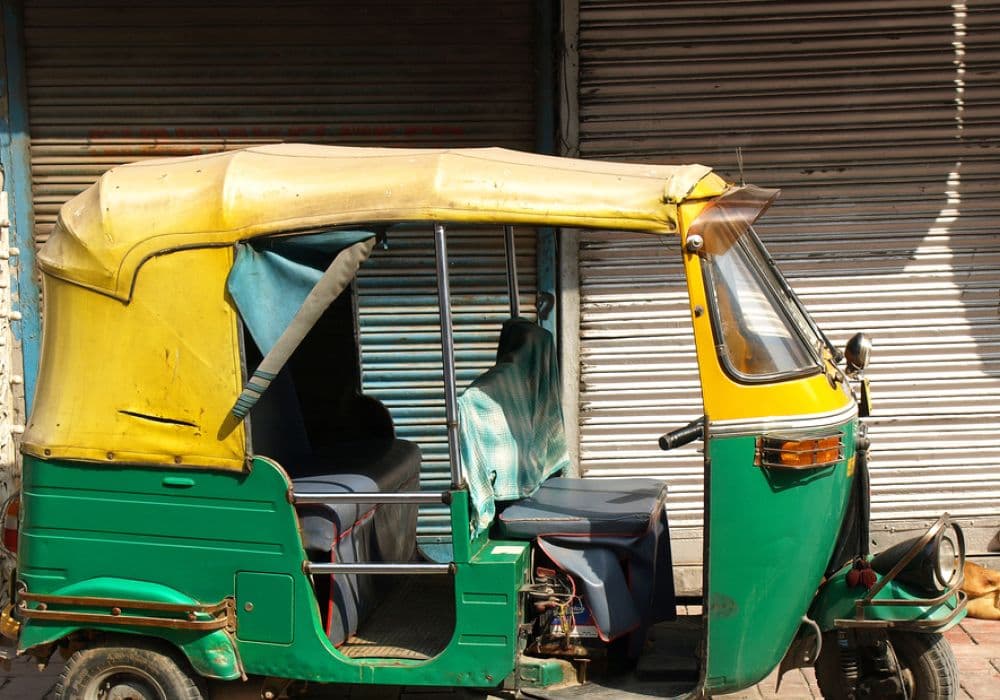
(976, 644)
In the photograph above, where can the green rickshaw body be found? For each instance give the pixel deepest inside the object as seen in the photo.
(147, 511)
(217, 536)
(778, 543)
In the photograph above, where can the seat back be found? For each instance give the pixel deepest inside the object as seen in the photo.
(511, 429)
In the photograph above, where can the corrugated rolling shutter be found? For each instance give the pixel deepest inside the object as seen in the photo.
(401, 333)
(110, 83)
(880, 121)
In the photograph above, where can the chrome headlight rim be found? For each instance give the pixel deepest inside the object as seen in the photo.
(917, 561)
(950, 544)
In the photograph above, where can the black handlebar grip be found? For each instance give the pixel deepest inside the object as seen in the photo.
(682, 436)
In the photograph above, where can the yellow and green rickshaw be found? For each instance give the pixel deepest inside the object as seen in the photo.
(210, 498)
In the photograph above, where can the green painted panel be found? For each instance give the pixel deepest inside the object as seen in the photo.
(541, 673)
(264, 607)
(837, 600)
(771, 535)
(212, 654)
(84, 522)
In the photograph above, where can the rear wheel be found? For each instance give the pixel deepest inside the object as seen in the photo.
(925, 662)
(140, 671)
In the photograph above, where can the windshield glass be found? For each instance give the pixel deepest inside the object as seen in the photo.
(776, 282)
(760, 329)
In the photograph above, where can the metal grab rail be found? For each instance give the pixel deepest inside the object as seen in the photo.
(400, 498)
(448, 355)
(379, 568)
(513, 291)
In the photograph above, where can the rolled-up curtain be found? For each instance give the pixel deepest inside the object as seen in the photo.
(281, 292)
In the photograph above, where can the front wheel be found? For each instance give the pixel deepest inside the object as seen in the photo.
(139, 671)
(922, 663)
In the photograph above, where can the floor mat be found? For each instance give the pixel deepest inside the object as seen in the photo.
(416, 621)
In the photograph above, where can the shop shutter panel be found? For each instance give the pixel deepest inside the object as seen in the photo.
(115, 82)
(880, 122)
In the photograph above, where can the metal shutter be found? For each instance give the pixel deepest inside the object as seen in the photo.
(110, 83)
(880, 121)
(402, 341)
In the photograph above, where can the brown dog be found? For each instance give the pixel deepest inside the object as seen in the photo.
(982, 585)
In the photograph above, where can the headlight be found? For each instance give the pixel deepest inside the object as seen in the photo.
(931, 563)
(950, 556)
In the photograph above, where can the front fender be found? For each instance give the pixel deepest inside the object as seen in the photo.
(212, 654)
(835, 600)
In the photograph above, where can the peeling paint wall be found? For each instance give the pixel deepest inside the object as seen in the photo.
(11, 420)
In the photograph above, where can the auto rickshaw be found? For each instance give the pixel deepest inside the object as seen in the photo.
(209, 497)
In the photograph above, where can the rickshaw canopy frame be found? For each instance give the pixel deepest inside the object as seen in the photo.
(144, 209)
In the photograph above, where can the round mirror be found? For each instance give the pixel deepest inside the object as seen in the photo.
(858, 352)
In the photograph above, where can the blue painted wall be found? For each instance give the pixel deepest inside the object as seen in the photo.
(16, 162)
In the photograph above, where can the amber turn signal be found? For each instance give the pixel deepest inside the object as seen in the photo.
(799, 453)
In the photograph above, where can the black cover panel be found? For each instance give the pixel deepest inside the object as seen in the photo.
(582, 506)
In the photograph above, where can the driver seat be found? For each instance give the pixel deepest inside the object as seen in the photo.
(569, 507)
(610, 534)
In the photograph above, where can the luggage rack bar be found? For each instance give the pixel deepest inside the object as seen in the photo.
(379, 568)
(403, 497)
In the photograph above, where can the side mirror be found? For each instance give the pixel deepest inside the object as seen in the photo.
(857, 352)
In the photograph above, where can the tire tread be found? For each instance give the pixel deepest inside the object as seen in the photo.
(160, 657)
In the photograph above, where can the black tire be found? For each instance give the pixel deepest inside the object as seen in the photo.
(136, 669)
(929, 666)
(927, 661)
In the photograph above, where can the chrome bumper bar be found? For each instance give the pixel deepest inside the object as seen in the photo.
(861, 619)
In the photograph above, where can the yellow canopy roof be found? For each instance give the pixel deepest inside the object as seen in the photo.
(144, 209)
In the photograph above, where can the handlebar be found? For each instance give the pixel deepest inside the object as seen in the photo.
(682, 436)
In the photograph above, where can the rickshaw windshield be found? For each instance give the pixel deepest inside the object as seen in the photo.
(761, 330)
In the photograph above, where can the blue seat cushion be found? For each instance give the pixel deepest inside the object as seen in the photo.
(570, 506)
(358, 532)
(365, 466)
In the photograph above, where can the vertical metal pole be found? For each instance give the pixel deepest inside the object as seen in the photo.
(448, 355)
(567, 267)
(547, 99)
(513, 291)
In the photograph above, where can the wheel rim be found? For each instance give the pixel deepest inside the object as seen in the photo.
(124, 683)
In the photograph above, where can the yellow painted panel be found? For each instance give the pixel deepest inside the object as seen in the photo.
(150, 381)
(726, 399)
(144, 209)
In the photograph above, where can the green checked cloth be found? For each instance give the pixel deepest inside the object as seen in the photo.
(511, 431)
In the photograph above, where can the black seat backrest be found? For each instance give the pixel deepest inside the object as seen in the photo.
(315, 403)
(277, 429)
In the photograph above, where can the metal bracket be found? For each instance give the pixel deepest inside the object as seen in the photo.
(861, 620)
(222, 615)
(800, 653)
